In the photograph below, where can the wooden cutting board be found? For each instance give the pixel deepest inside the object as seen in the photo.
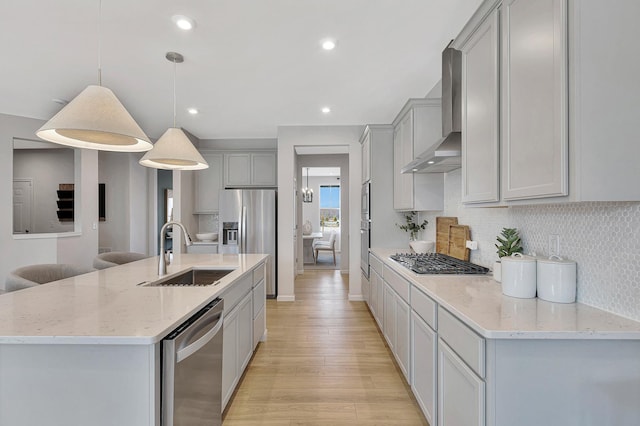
(458, 236)
(442, 233)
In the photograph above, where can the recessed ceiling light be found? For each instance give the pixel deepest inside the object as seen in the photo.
(183, 22)
(328, 44)
(326, 110)
(192, 111)
(431, 162)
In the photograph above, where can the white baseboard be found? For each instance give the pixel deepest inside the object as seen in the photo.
(286, 298)
(356, 298)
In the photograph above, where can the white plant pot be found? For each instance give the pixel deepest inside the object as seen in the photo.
(421, 246)
(497, 271)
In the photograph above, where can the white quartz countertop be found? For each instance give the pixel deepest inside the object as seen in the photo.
(109, 307)
(478, 301)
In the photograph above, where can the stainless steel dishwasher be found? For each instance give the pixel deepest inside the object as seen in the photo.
(192, 370)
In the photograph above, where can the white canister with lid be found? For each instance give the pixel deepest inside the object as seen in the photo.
(519, 276)
(557, 279)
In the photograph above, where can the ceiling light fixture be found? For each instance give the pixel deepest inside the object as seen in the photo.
(307, 193)
(183, 22)
(95, 119)
(174, 150)
(326, 110)
(328, 44)
(192, 111)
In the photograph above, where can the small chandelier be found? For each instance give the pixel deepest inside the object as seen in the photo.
(307, 193)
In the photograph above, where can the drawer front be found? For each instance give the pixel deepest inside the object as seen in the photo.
(233, 295)
(399, 284)
(259, 297)
(424, 306)
(375, 264)
(464, 341)
(258, 274)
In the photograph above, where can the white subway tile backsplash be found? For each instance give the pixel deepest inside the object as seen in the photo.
(603, 238)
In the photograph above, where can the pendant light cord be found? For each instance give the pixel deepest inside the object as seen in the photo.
(99, 42)
(174, 93)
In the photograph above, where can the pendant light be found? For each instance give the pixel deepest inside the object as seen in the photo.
(95, 119)
(174, 150)
(307, 193)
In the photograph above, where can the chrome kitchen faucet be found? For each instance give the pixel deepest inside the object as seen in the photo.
(162, 262)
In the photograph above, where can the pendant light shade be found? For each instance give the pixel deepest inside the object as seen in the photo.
(174, 151)
(95, 119)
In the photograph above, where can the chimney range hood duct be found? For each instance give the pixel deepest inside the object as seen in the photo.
(445, 154)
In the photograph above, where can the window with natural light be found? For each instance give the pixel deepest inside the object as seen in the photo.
(329, 206)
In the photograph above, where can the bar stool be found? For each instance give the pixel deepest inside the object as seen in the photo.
(34, 275)
(115, 258)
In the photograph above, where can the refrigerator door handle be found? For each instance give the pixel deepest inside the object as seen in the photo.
(243, 235)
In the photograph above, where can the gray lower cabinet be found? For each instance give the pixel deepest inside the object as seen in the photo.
(244, 326)
(376, 302)
(461, 393)
(397, 321)
(237, 345)
(424, 356)
(365, 287)
(389, 316)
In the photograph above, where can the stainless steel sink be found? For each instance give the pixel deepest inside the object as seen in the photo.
(191, 278)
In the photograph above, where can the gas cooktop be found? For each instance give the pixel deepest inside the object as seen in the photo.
(437, 263)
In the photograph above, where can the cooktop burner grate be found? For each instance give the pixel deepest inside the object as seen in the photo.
(437, 263)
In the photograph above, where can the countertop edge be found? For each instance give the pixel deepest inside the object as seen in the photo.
(490, 333)
(155, 335)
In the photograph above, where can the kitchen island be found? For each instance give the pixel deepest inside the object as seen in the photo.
(86, 350)
(461, 343)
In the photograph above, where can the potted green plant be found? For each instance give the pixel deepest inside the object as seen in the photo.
(414, 229)
(510, 243)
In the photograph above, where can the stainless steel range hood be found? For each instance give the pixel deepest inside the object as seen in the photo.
(445, 154)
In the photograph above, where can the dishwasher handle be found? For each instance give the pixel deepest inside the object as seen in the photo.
(189, 350)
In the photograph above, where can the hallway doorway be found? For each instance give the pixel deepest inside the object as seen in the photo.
(321, 218)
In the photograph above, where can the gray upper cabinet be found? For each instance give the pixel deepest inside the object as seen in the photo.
(534, 99)
(250, 169)
(567, 102)
(208, 183)
(417, 127)
(480, 114)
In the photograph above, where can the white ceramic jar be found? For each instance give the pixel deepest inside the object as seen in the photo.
(556, 279)
(519, 276)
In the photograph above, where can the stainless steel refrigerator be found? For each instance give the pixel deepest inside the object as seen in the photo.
(247, 222)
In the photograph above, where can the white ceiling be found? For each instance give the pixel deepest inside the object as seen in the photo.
(250, 65)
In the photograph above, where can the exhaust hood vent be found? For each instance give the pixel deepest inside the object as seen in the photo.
(445, 154)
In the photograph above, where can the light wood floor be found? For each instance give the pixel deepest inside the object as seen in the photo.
(324, 363)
